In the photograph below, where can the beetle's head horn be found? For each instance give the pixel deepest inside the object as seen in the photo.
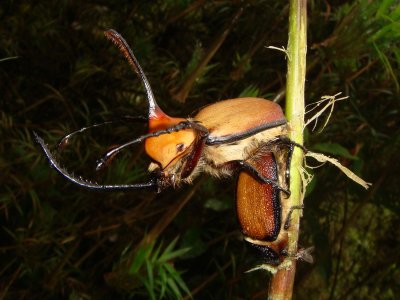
(174, 141)
(155, 111)
(167, 147)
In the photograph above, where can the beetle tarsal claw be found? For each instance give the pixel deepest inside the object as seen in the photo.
(163, 180)
(285, 191)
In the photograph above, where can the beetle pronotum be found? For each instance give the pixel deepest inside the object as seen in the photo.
(245, 135)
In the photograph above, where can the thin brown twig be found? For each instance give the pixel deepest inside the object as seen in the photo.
(13, 278)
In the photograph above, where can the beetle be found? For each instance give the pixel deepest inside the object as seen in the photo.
(243, 135)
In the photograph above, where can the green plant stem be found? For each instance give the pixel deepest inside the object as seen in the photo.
(282, 282)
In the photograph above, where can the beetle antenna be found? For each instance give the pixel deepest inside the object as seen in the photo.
(65, 140)
(119, 41)
(182, 125)
(84, 183)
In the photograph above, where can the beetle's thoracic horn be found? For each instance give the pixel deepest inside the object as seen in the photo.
(155, 112)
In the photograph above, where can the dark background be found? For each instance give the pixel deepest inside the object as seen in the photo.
(59, 73)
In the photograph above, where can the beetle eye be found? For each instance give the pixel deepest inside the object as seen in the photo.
(180, 147)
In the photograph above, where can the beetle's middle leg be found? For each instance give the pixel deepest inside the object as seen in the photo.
(289, 215)
(245, 166)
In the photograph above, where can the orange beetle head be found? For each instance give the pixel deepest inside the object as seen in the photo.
(166, 149)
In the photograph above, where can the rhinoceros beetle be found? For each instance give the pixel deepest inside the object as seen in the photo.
(247, 136)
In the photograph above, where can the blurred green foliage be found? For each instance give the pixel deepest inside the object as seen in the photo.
(58, 73)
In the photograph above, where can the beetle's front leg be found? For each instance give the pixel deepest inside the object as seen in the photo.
(196, 125)
(283, 140)
(241, 165)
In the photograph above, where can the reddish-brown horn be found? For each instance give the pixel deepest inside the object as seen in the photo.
(155, 112)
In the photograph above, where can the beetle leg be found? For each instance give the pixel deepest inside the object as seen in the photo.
(182, 125)
(285, 253)
(241, 164)
(302, 254)
(286, 141)
(196, 125)
(268, 254)
(290, 144)
(288, 162)
(64, 141)
(84, 183)
(289, 215)
(193, 158)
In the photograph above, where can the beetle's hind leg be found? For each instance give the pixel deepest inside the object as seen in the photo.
(245, 166)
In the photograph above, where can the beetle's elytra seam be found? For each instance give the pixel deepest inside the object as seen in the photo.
(236, 137)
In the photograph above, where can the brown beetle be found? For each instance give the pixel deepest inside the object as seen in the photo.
(237, 135)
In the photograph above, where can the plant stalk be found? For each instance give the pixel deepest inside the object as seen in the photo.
(282, 282)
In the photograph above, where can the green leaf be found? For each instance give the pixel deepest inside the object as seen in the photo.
(140, 258)
(175, 281)
(385, 61)
(174, 288)
(166, 256)
(162, 277)
(383, 7)
(250, 91)
(150, 275)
